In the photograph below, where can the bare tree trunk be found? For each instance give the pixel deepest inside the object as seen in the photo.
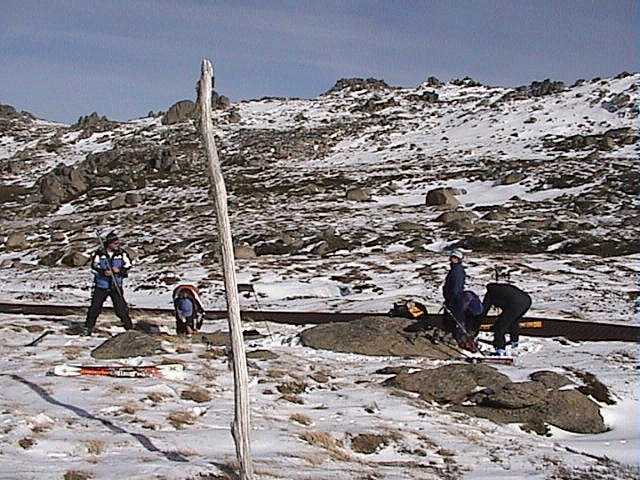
(241, 422)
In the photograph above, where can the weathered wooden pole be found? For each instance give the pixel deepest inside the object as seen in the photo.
(241, 423)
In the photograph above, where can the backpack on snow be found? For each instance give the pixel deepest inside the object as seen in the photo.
(410, 309)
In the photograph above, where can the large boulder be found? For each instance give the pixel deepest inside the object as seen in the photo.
(450, 383)
(234, 117)
(65, 183)
(375, 336)
(511, 178)
(358, 194)
(75, 259)
(179, 112)
(442, 197)
(133, 198)
(16, 241)
(128, 344)
(457, 216)
(244, 252)
(119, 201)
(482, 391)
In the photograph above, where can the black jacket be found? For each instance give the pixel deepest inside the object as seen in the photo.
(506, 297)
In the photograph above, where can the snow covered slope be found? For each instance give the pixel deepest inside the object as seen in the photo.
(328, 198)
(546, 180)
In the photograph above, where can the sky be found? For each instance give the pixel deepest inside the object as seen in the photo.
(60, 59)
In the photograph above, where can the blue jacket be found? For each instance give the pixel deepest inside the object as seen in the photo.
(184, 307)
(453, 287)
(100, 265)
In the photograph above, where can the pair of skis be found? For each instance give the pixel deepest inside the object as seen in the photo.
(172, 371)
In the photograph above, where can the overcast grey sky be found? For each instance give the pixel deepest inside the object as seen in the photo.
(63, 58)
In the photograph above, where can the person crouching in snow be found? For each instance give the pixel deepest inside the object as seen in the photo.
(188, 309)
(110, 267)
(514, 304)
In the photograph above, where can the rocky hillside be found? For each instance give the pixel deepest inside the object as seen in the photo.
(339, 199)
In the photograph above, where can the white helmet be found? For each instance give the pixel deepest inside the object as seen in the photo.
(457, 253)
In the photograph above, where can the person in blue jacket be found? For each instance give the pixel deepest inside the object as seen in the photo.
(453, 292)
(188, 309)
(110, 267)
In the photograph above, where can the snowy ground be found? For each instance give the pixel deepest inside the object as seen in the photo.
(288, 165)
(121, 428)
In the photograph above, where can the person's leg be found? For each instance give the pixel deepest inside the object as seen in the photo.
(514, 330)
(181, 328)
(460, 330)
(98, 296)
(500, 327)
(121, 308)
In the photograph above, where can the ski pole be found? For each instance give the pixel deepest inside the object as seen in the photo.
(266, 324)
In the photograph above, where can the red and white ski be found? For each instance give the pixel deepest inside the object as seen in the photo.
(171, 371)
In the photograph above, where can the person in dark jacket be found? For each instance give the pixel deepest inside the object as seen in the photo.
(110, 266)
(514, 304)
(188, 309)
(453, 290)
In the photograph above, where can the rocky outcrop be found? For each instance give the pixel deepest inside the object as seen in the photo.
(65, 183)
(375, 336)
(443, 197)
(92, 121)
(457, 216)
(424, 97)
(330, 242)
(244, 252)
(234, 117)
(616, 137)
(375, 104)
(482, 391)
(74, 258)
(8, 112)
(358, 84)
(220, 102)
(179, 112)
(618, 101)
(128, 344)
(511, 178)
(535, 89)
(16, 241)
(433, 82)
(465, 82)
(358, 194)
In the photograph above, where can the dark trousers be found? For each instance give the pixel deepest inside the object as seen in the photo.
(509, 322)
(98, 296)
(181, 327)
(455, 326)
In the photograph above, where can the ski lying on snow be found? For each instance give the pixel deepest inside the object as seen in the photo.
(159, 371)
(491, 360)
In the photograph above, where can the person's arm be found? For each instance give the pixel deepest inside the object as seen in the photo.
(487, 303)
(96, 264)
(126, 264)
